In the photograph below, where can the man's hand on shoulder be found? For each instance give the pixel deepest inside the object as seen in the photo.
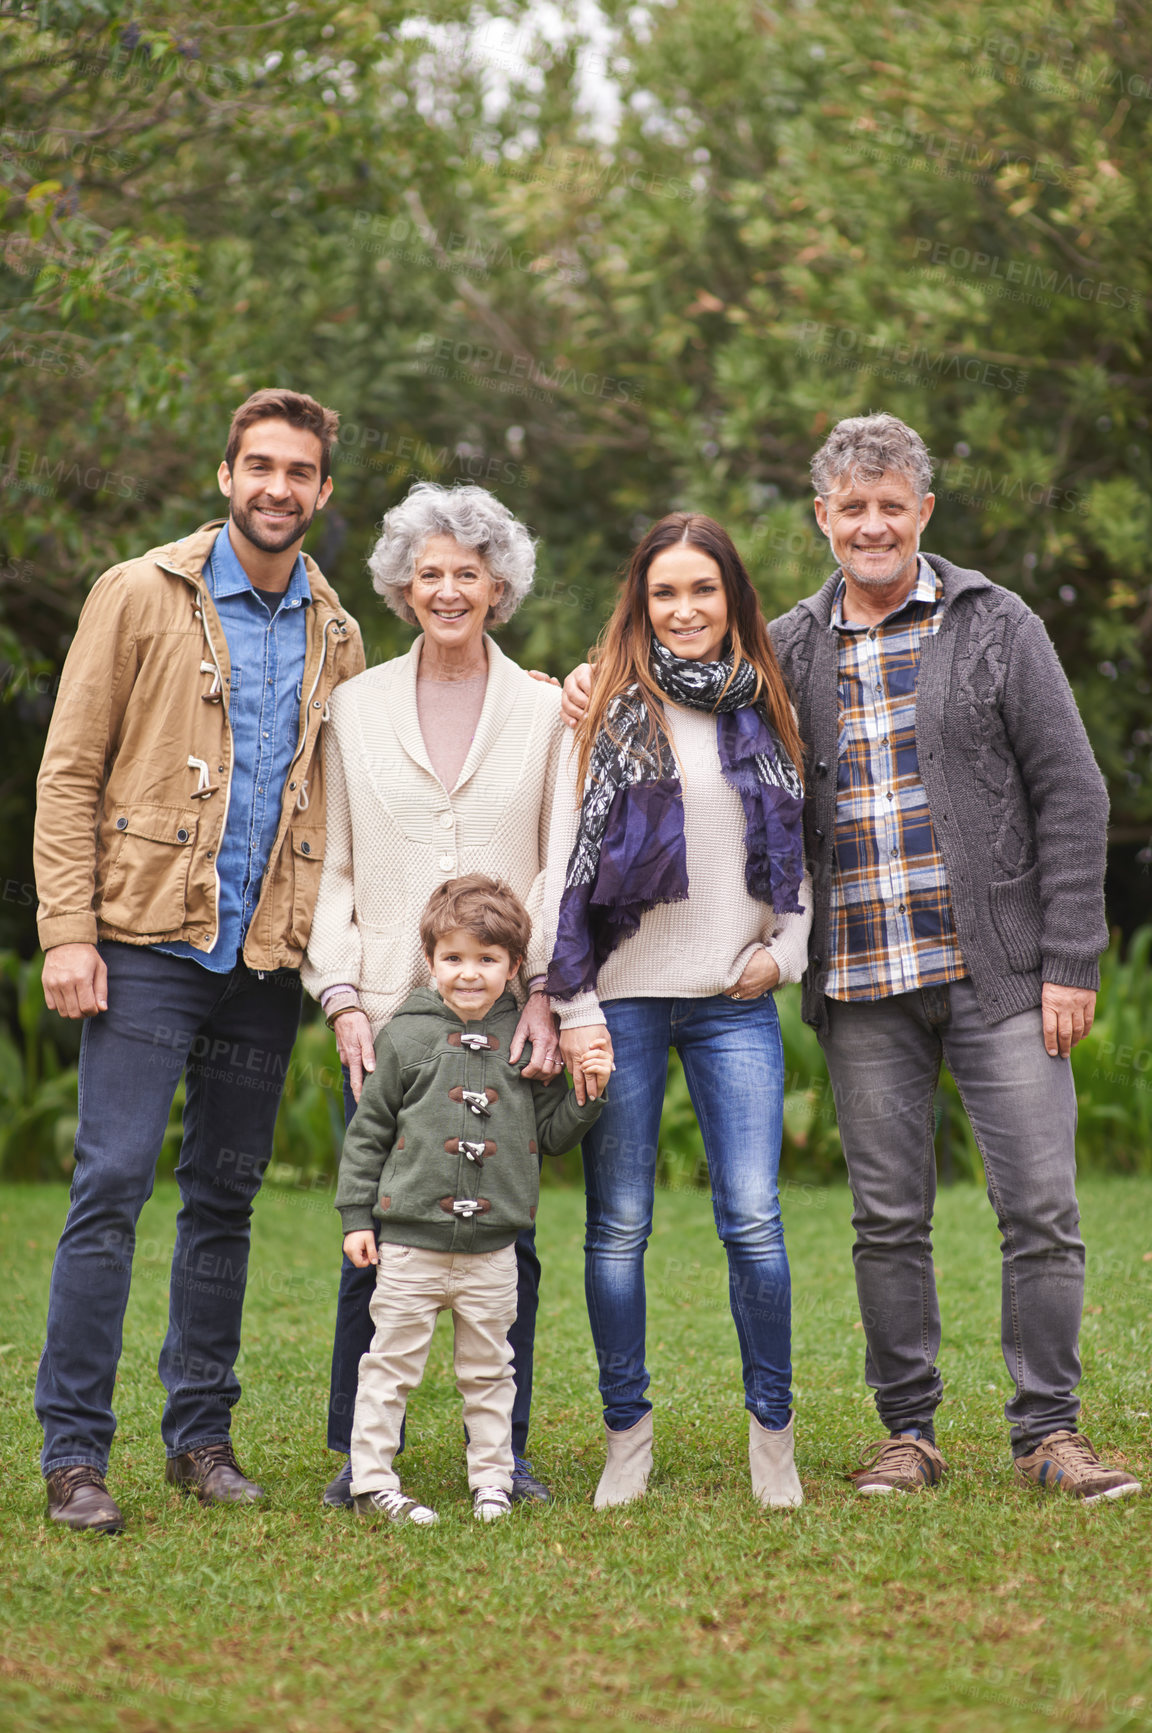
(577, 691)
(75, 981)
(1068, 1013)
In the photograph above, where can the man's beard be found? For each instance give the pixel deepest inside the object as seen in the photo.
(294, 529)
(870, 580)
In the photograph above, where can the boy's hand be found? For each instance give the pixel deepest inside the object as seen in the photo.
(360, 1248)
(593, 1039)
(577, 691)
(596, 1063)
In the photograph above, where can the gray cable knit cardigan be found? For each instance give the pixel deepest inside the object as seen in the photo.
(1019, 805)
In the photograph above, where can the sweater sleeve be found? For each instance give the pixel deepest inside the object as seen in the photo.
(584, 1009)
(786, 938)
(1069, 802)
(334, 955)
(368, 1140)
(560, 1120)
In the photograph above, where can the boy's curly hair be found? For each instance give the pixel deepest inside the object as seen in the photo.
(487, 908)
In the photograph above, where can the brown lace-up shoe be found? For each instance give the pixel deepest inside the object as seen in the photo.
(212, 1474)
(78, 1498)
(1066, 1462)
(900, 1464)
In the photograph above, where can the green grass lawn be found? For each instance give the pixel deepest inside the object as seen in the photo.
(984, 1605)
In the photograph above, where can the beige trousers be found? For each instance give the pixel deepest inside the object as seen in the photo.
(412, 1288)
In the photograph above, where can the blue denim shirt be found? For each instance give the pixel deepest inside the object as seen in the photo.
(267, 652)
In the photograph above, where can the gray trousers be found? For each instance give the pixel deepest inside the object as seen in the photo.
(884, 1060)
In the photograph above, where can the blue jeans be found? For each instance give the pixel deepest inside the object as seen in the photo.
(884, 1059)
(231, 1035)
(734, 1063)
(355, 1329)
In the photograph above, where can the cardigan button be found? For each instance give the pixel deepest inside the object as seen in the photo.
(819, 833)
(447, 819)
(446, 863)
(821, 767)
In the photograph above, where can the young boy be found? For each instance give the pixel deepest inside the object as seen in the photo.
(444, 1151)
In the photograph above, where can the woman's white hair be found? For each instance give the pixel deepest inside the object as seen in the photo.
(471, 516)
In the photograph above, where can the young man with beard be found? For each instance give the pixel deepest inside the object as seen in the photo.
(178, 848)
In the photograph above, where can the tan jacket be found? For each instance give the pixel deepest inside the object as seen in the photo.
(133, 791)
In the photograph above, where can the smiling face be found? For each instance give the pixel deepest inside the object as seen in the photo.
(470, 973)
(687, 605)
(274, 488)
(451, 593)
(874, 529)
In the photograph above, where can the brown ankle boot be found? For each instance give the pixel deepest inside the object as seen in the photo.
(78, 1498)
(211, 1473)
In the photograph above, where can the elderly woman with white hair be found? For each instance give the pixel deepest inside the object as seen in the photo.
(439, 763)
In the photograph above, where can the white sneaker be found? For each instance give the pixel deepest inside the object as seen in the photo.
(489, 1503)
(394, 1506)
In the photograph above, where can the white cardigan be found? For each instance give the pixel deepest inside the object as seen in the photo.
(394, 832)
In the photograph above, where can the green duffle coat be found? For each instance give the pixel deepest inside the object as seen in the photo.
(444, 1148)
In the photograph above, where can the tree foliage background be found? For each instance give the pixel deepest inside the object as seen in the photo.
(607, 262)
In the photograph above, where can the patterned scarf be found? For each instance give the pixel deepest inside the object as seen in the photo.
(629, 853)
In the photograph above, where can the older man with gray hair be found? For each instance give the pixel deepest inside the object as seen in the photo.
(956, 825)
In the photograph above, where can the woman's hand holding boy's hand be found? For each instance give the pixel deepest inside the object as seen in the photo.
(596, 1064)
(761, 974)
(592, 1038)
(360, 1248)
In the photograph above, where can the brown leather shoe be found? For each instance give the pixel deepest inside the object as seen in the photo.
(212, 1474)
(78, 1498)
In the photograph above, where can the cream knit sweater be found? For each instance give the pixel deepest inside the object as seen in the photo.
(697, 948)
(395, 832)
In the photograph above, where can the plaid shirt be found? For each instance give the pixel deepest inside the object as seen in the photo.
(891, 916)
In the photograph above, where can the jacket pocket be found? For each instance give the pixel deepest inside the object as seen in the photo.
(145, 890)
(307, 843)
(1017, 917)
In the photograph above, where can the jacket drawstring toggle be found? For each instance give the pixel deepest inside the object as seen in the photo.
(214, 695)
(204, 787)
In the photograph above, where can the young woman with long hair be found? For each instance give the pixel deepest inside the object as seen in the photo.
(676, 901)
